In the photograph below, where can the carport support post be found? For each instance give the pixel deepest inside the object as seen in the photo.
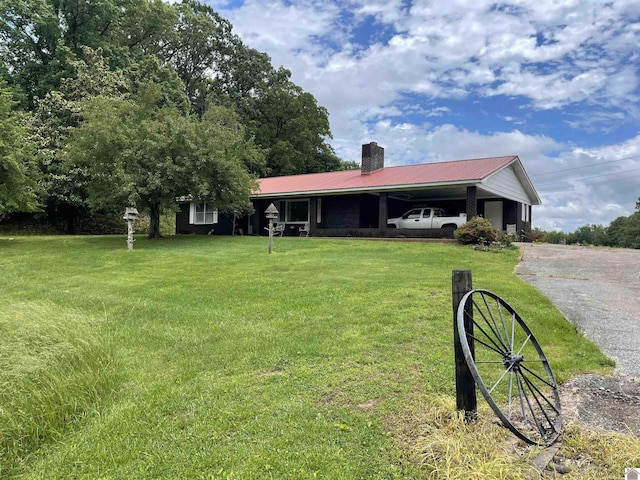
(465, 386)
(382, 211)
(472, 202)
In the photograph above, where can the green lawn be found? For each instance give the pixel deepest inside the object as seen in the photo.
(212, 359)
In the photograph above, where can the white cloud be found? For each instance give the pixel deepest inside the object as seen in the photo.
(407, 143)
(287, 31)
(448, 48)
(437, 111)
(592, 186)
(552, 91)
(387, 11)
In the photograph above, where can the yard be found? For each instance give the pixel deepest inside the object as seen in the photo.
(204, 357)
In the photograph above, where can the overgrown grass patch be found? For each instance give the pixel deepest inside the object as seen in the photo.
(597, 454)
(54, 369)
(436, 437)
(433, 435)
(239, 364)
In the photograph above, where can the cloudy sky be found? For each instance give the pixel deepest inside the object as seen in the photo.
(555, 82)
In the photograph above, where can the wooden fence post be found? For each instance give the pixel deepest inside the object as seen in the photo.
(465, 385)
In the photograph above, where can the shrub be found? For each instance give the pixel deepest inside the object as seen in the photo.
(504, 239)
(477, 231)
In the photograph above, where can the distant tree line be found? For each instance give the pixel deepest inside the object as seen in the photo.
(111, 103)
(622, 232)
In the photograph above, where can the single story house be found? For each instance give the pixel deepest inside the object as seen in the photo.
(359, 202)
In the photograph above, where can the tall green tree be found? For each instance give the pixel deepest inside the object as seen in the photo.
(185, 48)
(293, 128)
(217, 67)
(625, 231)
(589, 235)
(140, 154)
(17, 176)
(199, 49)
(55, 117)
(40, 39)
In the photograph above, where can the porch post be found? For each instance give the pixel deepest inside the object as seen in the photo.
(313, 213)
(255, 218)
(472, 202)
(382, 211)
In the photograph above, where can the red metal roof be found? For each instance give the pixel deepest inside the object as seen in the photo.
(457, 171)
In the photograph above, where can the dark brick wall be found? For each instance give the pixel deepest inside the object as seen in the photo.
(341, 211)
(397, 207)
(403, 233)
(182, 219)
(223, 227)
(451, 207)
(510, 212)
(369, 205)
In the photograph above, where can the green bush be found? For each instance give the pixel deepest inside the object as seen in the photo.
(504, 239)
(54, 369)
(477, 231)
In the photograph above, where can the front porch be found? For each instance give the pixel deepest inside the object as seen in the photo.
(366, 214)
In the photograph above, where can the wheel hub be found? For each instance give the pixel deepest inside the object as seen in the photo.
(511, 361)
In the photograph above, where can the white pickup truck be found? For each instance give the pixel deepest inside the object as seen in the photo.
(427, 217)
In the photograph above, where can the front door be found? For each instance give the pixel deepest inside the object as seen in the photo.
(493, 212)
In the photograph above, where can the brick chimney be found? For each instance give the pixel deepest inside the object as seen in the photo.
(372, 158)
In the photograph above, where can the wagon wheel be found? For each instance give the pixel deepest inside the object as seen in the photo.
(509, 367)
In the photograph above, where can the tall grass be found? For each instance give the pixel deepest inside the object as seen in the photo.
(53, 370)
(239, 364)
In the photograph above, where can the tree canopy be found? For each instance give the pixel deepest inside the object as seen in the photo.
(64, 60)
(139, 153)
(55, 117)
(17, 182)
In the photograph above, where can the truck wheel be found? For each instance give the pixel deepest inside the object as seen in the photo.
(448, 230)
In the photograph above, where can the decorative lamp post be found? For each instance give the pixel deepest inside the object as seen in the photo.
(130, 215)
(271, 213)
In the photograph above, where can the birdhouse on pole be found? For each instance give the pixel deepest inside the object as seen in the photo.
(130, 215)
(271, 213)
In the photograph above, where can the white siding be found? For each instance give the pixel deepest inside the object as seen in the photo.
(506, 184)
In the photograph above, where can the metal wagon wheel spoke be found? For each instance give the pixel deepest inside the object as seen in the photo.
(509, 367)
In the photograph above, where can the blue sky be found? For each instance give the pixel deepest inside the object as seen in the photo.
(554, 82)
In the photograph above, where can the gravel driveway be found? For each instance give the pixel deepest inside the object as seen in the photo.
(597, 289)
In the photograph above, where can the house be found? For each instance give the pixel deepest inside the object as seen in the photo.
(359, 202)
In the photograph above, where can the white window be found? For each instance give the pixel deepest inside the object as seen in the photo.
(525, 212)
(294, 211)
(202, 214)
